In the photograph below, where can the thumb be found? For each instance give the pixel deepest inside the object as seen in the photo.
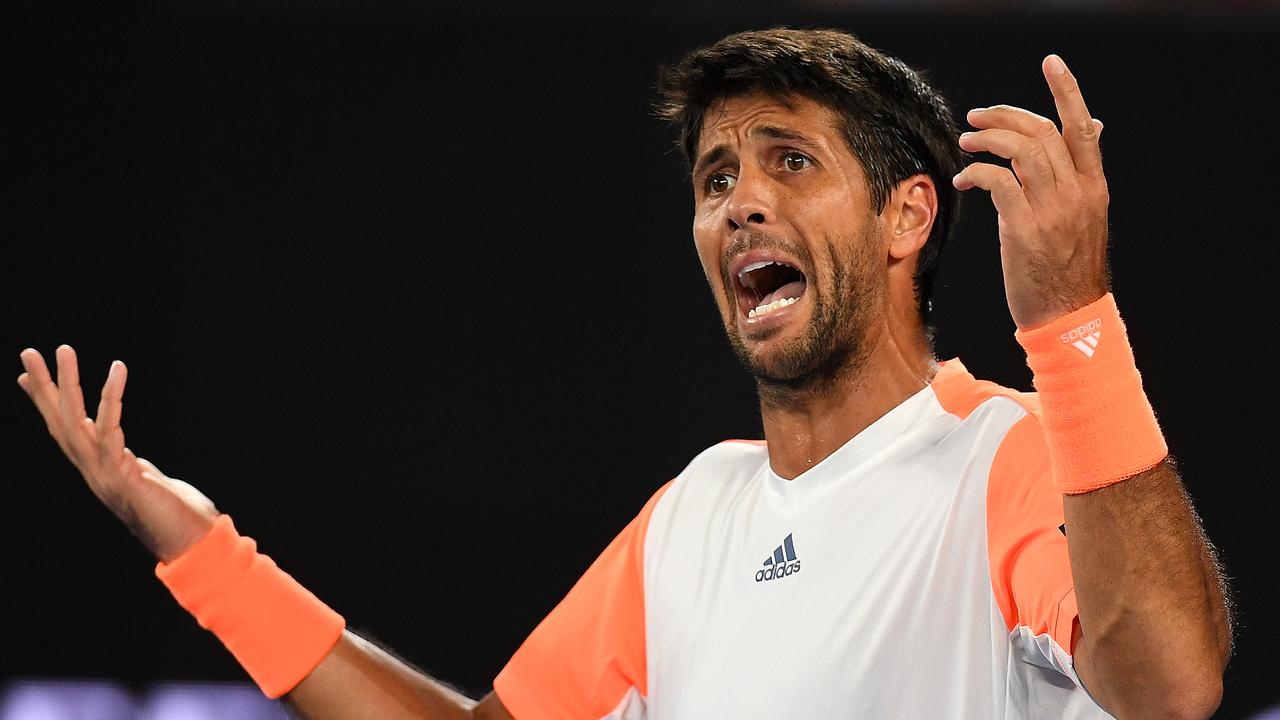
(148, 467)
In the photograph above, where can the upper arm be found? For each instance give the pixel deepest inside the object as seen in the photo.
(1027, 545)
(491, 708)
(587, 659)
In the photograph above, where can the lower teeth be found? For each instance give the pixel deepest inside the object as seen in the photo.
(761, 310)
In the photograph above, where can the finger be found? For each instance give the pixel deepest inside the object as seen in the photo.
(43, 393)
(39, 385)
(1078, 128)
(1032, 125)
(111, 403)
(1006, 194)
(71, 403)
(1030, 160)
(110, 407)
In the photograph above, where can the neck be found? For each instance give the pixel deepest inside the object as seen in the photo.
(803, 425)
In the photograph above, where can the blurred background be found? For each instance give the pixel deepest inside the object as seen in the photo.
(409, 290)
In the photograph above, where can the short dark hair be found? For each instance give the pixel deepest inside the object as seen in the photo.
(896, 125)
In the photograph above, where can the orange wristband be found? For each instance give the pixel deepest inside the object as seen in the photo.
(1098, 424)
(275, 628)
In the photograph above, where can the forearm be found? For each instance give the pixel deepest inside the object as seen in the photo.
(360, 680)
(293, 645)
(1155, 623)
(273, 626)
(1151, 605)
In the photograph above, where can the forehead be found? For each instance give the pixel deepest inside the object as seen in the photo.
(730, 120)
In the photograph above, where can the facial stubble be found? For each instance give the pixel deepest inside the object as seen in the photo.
(832, 343)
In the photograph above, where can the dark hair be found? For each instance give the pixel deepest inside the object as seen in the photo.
(896, 125)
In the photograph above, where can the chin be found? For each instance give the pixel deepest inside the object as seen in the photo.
(776, 358)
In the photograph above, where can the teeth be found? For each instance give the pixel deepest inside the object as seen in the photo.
(762, 309)
(755, 266)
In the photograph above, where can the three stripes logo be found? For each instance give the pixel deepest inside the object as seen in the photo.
(1084, 338)
(781, 563)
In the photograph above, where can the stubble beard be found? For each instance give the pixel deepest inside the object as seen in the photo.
(832, 344)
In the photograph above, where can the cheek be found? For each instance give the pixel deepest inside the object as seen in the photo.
(847, 239)
(707, 245)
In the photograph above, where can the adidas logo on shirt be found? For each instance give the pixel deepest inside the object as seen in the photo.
(1084, 338)
(781, 563)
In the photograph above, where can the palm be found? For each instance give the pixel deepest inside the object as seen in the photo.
(168, 515)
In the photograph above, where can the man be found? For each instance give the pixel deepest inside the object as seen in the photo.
(908, 542)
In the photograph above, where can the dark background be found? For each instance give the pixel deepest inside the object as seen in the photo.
(410, 291)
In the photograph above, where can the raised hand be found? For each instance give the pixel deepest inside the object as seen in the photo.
(1052, 205)
(166, 514)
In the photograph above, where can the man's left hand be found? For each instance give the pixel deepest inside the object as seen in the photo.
(1052, 205)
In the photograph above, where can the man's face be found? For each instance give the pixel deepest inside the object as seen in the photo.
(787, 236)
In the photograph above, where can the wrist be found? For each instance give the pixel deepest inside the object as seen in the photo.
(274, 627)
(1057, 303)
(176, 544)
(1098, 423)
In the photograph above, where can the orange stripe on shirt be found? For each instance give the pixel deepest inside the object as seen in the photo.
(960, 393)
(588, 653)
(1030, 567)
(1027, 552)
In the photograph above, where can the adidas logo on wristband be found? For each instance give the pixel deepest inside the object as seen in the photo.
(1084, 338)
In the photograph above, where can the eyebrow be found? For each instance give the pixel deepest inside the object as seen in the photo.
(778, 133)
(717, 153)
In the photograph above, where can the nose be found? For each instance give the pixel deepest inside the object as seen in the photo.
(752, 201)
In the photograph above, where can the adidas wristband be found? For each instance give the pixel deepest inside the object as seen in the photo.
(275, 628)
(1098, 424)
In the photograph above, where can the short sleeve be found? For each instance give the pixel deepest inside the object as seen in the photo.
(586, 660)
(1027, 544)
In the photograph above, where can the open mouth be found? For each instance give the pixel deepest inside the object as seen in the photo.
(767, 286)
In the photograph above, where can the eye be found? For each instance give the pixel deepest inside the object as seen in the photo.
(796, 161)
(720, 182)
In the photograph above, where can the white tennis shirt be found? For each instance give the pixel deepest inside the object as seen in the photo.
(919, 571)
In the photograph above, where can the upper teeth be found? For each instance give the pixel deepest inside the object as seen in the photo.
(756, 266)
(762, 309)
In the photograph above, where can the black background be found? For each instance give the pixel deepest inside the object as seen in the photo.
(410, 291)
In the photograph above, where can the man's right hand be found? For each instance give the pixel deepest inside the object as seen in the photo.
(168, 515)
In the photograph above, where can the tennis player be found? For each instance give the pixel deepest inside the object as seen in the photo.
(907, 541)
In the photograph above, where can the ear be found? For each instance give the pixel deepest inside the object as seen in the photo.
(910, 213)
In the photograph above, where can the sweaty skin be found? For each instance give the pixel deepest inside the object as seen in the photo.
(1155, 631)
(780, 175)
(776, 177)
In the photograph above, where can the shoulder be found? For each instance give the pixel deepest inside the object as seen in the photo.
(960, 393)
(725, 460)
(714, 474)
(1007, 424)
(1010, 418)
(731, 451)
